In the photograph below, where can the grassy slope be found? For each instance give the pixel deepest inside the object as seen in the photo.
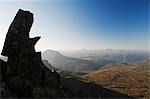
(131, 79)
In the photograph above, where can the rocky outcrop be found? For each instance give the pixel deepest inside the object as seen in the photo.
(24, 70)
(4, 92)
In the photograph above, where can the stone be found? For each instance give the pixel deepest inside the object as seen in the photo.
(24, 69)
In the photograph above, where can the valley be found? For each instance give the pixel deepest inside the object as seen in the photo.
(126, 77)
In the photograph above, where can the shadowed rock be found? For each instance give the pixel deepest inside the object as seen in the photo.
(24, 69)
(17, 37)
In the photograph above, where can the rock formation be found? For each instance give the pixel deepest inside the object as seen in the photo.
(24, 69)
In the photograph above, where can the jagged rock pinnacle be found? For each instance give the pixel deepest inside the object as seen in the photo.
(24, 69)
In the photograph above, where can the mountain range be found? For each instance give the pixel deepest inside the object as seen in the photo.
(114, 56)
(88, 60)
(60, 61)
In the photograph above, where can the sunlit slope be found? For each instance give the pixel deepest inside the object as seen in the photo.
(131, 79)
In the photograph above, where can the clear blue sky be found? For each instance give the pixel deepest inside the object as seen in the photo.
(79, 24)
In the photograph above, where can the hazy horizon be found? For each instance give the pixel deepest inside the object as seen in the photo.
(87, 24)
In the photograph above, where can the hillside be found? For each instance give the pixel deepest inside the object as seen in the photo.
(3, 58)
(131, 79)
(85, 89)
(78, 87)
(60, 61)
(45, 62)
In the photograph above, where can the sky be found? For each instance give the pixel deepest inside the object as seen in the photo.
(82, 24)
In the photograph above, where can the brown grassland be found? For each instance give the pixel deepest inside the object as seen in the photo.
(131, 79)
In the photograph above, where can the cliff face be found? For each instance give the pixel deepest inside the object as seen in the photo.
(24, 69)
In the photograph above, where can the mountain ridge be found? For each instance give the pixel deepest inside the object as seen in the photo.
(88, 60)
(67, 63)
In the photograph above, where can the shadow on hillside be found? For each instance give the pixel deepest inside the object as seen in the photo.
(82, 89)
